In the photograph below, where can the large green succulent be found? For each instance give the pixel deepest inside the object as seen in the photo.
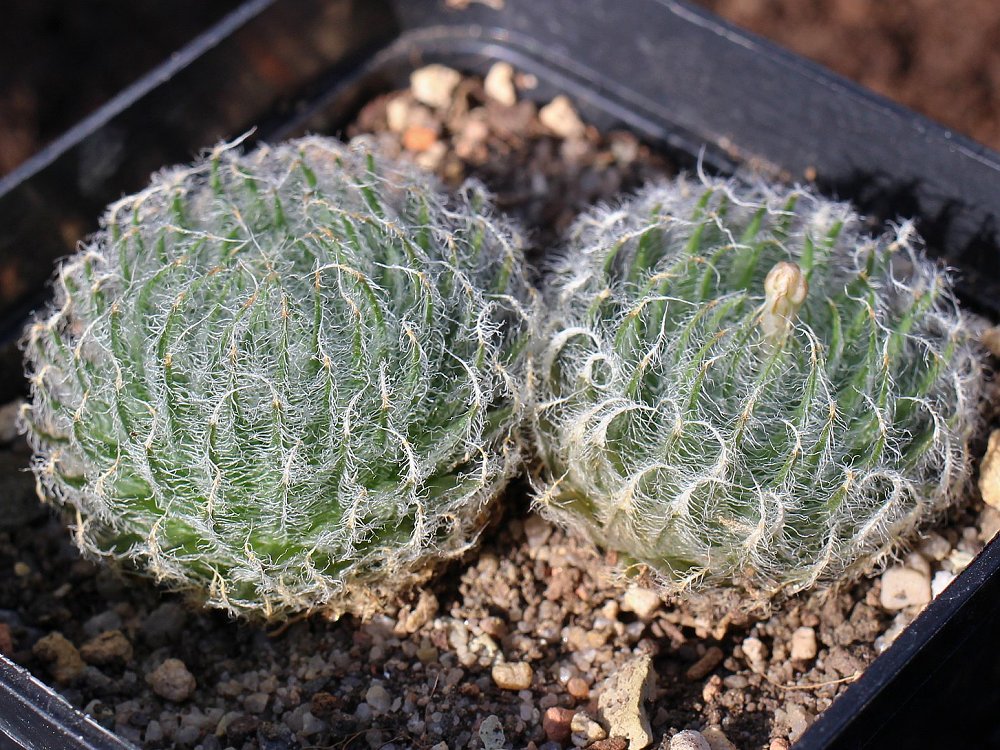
(289, 379)
(738, 384)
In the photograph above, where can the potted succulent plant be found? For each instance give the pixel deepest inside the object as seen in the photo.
(523, 660)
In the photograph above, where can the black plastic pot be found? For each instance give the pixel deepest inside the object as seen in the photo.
(683, 80)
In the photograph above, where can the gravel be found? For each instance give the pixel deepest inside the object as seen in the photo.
(172, 680)
(904, 587)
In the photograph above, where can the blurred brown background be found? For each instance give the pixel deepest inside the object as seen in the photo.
(939, 57)
(60, 59)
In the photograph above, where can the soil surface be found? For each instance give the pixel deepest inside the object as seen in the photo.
(530, 636)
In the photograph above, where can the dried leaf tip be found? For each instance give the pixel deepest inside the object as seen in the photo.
(785, 290)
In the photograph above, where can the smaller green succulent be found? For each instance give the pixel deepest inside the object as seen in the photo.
(738, 385)
(287, 380)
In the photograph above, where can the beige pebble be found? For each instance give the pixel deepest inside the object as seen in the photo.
(918, 562)
(578, 688)
(991, 340)
(988, 523)
(716, 738)
(537, 530)
(172, 680)
(61, 655)
(110, 647)
(513, 676)
(779, 743)
(712, 657)
(433, 85)
(799, 720)
(397, 114)
(989, 471)
(934, 546)
(499, 84)
(561, 118)
(412, 618)
(621, 705)
(585, 730)
(904, 587)
(959, 559)
(712, 689)
(689, 739)
(755, 653)
(803, 644)
(643, 602)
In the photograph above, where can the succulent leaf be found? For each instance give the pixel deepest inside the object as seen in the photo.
(737, 385)
(289, 379)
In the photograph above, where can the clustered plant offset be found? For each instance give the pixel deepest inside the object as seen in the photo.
(737, 384)
(295, 379)
(289, 379)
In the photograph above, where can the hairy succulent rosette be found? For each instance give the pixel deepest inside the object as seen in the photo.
(737, 384)
(288, 379)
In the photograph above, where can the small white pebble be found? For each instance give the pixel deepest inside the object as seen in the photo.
(689, 739)
(378, 698)
(899, 624)
(433, 85)
(499, 84)
(561, 118)
(804, 644)
(756, 654)
(513, 676)
(397, 114)
(941, 580)
(643, 602)
(904, 587)
(989, 471)
(960, 560)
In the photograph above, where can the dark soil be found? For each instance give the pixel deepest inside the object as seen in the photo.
(422, 676)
